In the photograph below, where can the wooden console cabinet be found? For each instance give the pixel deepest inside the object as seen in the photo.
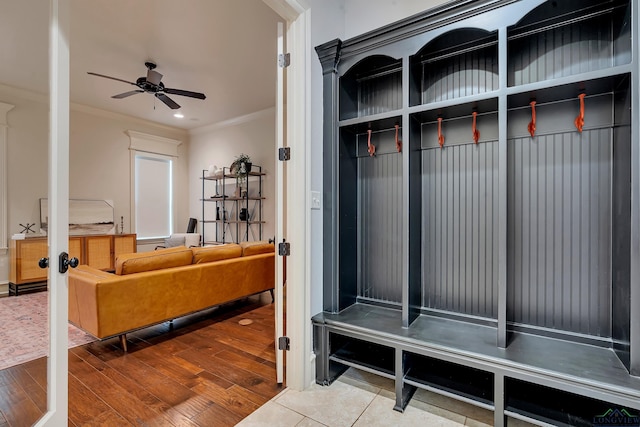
(99, 251)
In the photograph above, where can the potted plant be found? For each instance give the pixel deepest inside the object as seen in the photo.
(241, 167)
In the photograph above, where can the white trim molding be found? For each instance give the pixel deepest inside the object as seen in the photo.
(299, 366)
(4, 134)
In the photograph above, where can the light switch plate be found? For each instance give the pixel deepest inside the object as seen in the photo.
(316, 200)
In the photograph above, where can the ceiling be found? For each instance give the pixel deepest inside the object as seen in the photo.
(225, 49)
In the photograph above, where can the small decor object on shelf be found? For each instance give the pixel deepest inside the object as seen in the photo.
(26, 228)
(244, 214)
(241, 167)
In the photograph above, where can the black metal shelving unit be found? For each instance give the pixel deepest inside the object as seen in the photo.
(234, 210)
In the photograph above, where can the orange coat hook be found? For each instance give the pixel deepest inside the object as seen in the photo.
(440, 136)
(532, 124)
(579, 122)
(370, 147)
(475, 131)
(398, 142)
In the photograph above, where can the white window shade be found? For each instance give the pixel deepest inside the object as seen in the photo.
(153, 196)
(152, 204)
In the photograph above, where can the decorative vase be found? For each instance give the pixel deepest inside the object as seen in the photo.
(243, 215)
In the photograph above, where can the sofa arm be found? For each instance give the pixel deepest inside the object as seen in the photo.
(83, 304)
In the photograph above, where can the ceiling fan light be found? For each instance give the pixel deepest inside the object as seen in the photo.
(178, 115)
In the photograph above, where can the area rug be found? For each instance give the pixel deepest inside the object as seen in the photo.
(24, 333)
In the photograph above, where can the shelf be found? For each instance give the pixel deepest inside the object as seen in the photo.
(457, 64)
(536, 402)
(471, 385)
(559, 39)
(364, 355)
(220, 221)
(231, 199)
(229, 176)
(231, 207)
(594, 370)
(371, 87)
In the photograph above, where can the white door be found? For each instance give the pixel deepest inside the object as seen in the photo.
(58, 229)
(280, 208)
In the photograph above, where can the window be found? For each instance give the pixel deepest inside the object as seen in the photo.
(153, 196)
(152, 204)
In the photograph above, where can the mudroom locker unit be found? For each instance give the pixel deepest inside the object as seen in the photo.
(481, 213)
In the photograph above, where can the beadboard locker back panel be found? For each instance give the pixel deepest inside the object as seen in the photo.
(559, 231)
(582, 36)
(457, 64)
(371, 87)
(380, 222)
(460, 229)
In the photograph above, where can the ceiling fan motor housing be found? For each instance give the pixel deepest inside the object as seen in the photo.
(143, 84)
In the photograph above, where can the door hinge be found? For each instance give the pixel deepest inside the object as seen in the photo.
(284, 60)
(284, 154)
(284, 249)
(283, 343)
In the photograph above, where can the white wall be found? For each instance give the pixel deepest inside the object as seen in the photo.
(361, 16)
(99, 160)
(343, 19)
(218, 145)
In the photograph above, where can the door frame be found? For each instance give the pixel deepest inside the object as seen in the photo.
(299, 367)
(58, 229)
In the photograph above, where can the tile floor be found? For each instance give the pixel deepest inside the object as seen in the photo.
(361, 399)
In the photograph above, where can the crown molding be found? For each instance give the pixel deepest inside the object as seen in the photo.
(43, 98)
(81, 108)
(236, 121)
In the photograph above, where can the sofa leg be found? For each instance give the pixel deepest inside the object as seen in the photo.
(273, 298)
(123, 342)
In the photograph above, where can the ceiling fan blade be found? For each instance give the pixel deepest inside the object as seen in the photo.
(154, 77)
(125, 94)
(185, 93)
(112, 78)
(170, 102)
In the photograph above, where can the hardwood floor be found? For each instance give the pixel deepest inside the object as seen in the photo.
(206, 370)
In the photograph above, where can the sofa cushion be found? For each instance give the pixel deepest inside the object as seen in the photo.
(216, 253)
(155, 260)
(255, 248)
(93, 271)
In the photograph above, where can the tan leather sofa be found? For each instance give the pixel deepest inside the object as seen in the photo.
(152, 287)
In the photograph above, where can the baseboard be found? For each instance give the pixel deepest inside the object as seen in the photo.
(4, 289)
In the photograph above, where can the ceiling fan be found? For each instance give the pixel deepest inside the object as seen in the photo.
(152, 84)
